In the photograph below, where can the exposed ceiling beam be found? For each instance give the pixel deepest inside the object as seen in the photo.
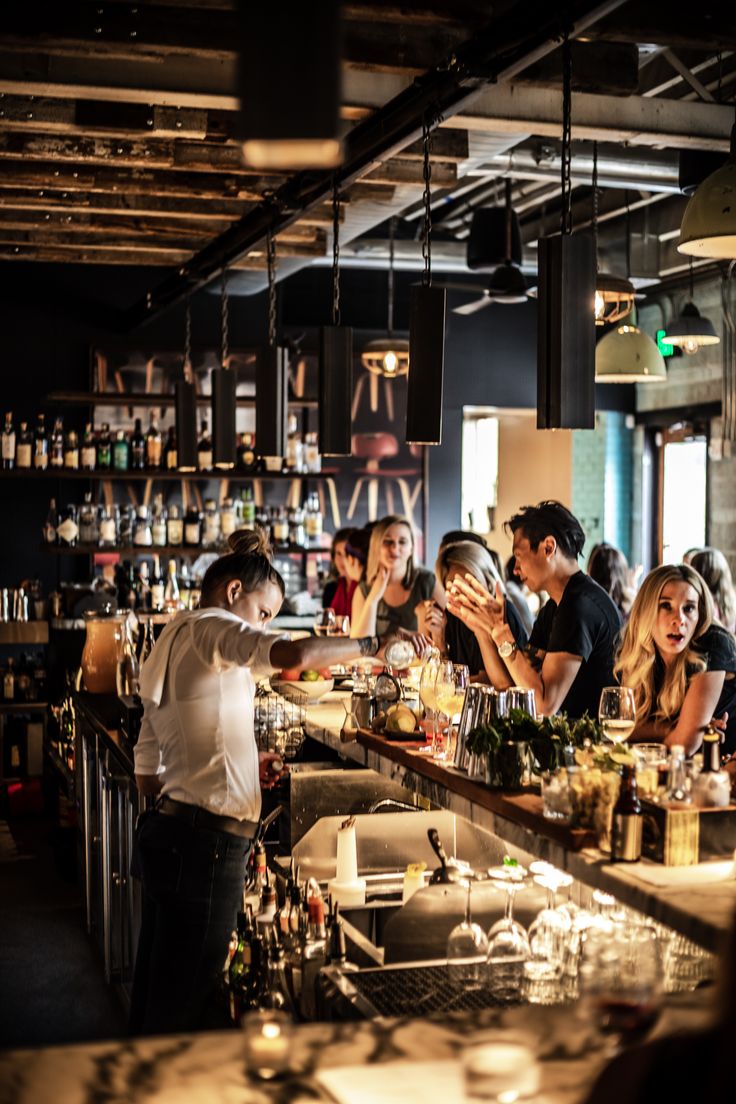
(637, 120)
(711, 24)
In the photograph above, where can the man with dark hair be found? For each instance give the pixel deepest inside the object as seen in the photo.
(569, 658)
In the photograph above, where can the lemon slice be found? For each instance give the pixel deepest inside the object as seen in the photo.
(623, 758)
(583, 757)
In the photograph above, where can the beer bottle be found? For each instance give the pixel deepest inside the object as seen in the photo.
(627, 821)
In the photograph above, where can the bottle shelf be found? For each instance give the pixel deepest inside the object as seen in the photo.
(153, 399)
(174, 550)
(96, 476)
(24, 632)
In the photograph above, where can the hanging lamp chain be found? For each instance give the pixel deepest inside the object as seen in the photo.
(225, 311)
(566, 152)
(271, 263)
(427, 230)
(391, 237)
(188, 340)
(692, 283)
(596, 198)
(335, 255)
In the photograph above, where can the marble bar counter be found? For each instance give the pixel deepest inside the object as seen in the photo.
(699, 902)
(210, 1068)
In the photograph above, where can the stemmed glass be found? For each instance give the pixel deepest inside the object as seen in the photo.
(427, 682)
(325, 622)
(449, 693)
(341, 626)
(617, 713)
(467, 949)
(508, 943)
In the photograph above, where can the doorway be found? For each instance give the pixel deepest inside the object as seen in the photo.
(684, 471)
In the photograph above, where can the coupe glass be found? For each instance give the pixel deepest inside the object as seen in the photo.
(617, 713)
(467, 950)
(325, 621)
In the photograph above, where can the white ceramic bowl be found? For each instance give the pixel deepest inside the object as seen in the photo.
(314, 690)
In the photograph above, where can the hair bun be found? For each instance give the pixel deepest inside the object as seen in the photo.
(248, 542)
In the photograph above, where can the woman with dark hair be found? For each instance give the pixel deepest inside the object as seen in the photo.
(608, 567)
(335, 593)
(713, 566)
(197, 750)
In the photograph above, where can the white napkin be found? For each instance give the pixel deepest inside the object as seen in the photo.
(395, 1082)
(696, 875)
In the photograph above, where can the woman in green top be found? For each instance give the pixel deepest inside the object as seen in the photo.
(394, 590)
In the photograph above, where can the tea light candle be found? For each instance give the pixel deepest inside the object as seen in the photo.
(500, 1071)
(267, 1043)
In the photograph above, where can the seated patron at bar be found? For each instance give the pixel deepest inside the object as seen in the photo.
(394, 590)
(678, 661)
(453, 638)
(569, 658)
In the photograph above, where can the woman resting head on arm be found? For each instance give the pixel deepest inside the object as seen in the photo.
(394, 590)
(679, 665)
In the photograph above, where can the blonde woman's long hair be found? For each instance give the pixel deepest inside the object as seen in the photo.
(636, 662)
(713, 566)
(469, 557)
(374, 548)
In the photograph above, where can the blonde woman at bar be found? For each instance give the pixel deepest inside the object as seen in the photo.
(394, 590)
(679, 664)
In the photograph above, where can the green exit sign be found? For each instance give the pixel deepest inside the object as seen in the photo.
(664, 347)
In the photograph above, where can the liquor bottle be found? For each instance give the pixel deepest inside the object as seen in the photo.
(172, 598)
(248, 509)
(41, 445)
(104, 448)
(238, 979)
(313, 521)
(210, 524)
(712, 787)
(158, 586)
(9, 681)
(246, 454)
(126, 522)
(277, 996)
(49, 526)
(297, 531)
(314, 950)
(67, 531)
(56, 452)
(143, 588)
(24, 448)
(153, 443)
(627, 821)
(89, 528)
(228, 520)
(147, 642)
(8, 448)
(108, 526)
(121, 452)
(204, 449)
(174, 527)
(192, 527)
(158, 522)
(71, 451)
(294, 446)
(142, 535)
(89, 449)
(185, 586)
(171, 453)
(280, 527)
(137, 448)
(267, 910)
(312, 457)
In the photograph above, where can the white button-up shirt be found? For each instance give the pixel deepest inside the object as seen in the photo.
(198, 689)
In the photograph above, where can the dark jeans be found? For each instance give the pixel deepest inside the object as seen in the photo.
(192, 890)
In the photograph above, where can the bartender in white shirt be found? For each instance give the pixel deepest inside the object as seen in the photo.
(197, 749)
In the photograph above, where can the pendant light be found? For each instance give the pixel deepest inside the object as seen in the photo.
(709, 224)
(614, 296)
(388, 356)
(427, 306)
(272, 378)
(565, 330)
(287, 46)
(335, 363)
(186, 404)
(627, 354)
(691, 331)
(223, 395)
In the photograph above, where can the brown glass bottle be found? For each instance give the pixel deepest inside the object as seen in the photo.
(626, 827)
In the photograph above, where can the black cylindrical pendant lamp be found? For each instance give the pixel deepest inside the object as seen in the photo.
(186, 425)
(426, 365)
(223, 417)
(272, 390)
(335, 390)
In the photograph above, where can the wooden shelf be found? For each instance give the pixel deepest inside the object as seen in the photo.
(158, 399)
(23, 707)
(24, 632)
(170, 550)
(160, 476)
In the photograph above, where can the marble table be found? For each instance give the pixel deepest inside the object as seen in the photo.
(210, 1068)
(699, 902)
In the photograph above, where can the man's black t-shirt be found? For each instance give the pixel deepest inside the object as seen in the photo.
(586, 623)
(462, 644)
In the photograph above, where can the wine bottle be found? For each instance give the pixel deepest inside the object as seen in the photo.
(204, 449)
(24, 448)
(56, 455)
(158, 586)
(41, 445)
(89, 449)
(8, 449)
(137, 448)
(153, 443)
(121, 452)
(104, 448)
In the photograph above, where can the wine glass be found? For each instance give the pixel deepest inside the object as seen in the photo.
(341, 625)
(467, 950)
(617, 713)
(449, 692)
(508, 943)
(427, 682)
(620, 979)
(325, 621)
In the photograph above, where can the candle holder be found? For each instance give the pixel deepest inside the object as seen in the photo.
(268, 1036)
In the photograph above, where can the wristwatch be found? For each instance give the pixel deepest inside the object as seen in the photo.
(507, 649)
